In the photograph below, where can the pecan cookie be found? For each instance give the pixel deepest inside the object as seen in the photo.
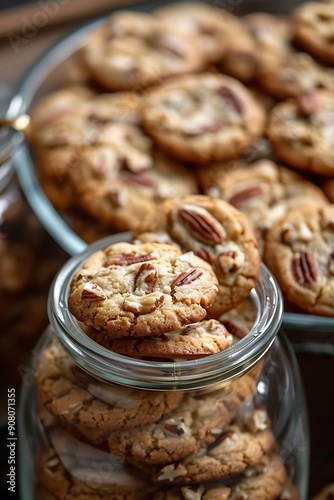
(235, 450)
(73, 470)
(314, 29)
(78, 400)
(119, 184)
(299, 251)
(142, 290)
(134, 50)
(190, 342)
(301, 132)
(220, 234)
(208, 25)
(203, 118)
(265, 481)
(195, 423)
(263, 190)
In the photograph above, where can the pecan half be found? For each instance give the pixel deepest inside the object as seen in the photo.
(186, 278)
(206, 254)
(305, 268)
(126, 260)
(246, 194)
(146, 278)
(93, 292)
(202, 224)
(231, 97)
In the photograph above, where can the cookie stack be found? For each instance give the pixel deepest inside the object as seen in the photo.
(159, 301)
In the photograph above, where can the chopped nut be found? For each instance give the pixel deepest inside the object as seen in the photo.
(143, 305)
(93, 292)
(145, 278)
(171, 472)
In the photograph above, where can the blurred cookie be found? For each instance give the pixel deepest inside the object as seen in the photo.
(263, 190)
(314, 29)
(134, 50)
(203, 118)
(299, 252)
(203, 22)
(221, 235)
(300, 131)
(120, 183)
(142, 290)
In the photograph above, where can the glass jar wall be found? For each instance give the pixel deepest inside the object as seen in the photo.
(96, 424)
(29, 260)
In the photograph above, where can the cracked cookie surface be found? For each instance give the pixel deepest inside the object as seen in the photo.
(142, 290)
(299, 252)
(91, 407)
(203, 118)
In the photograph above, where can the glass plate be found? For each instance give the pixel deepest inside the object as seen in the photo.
(307, 332)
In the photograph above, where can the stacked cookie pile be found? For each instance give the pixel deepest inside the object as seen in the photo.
(156, 118)
(159, 301)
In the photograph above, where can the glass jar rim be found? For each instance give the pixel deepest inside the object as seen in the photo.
(163, 375)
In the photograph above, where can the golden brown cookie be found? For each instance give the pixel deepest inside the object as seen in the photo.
(301, 132)
(203, 118)
(299, 252)
(314, 29)
(142, 290)
(134, 50)
(220, 234)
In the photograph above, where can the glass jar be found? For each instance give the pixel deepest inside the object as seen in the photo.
(29, 260)
(95, 424)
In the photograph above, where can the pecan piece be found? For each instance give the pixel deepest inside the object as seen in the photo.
(139, 178)
(206, 254)
(246, 194)
(146, 278)
(93, 292)
(202, 224)
(227, 262)
(143, 305)
(234, 329)
(305, 268)
(231, 97)
(186, 277)
(126, 260)
(308, 103)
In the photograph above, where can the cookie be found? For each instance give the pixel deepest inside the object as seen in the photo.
(314, 29)
(203, 118)
(190, 342)
(197, 422)
(300, 132)
(263, 190)
(200, 21)
(119, 184)
(73, 470)
(235, 450)
(88, 405)
(220, 234)
(265, 481)
(134, 50)
(299, 252)
(239, 320)
(142, 290)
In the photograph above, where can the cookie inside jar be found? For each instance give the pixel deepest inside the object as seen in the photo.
(187, 419)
